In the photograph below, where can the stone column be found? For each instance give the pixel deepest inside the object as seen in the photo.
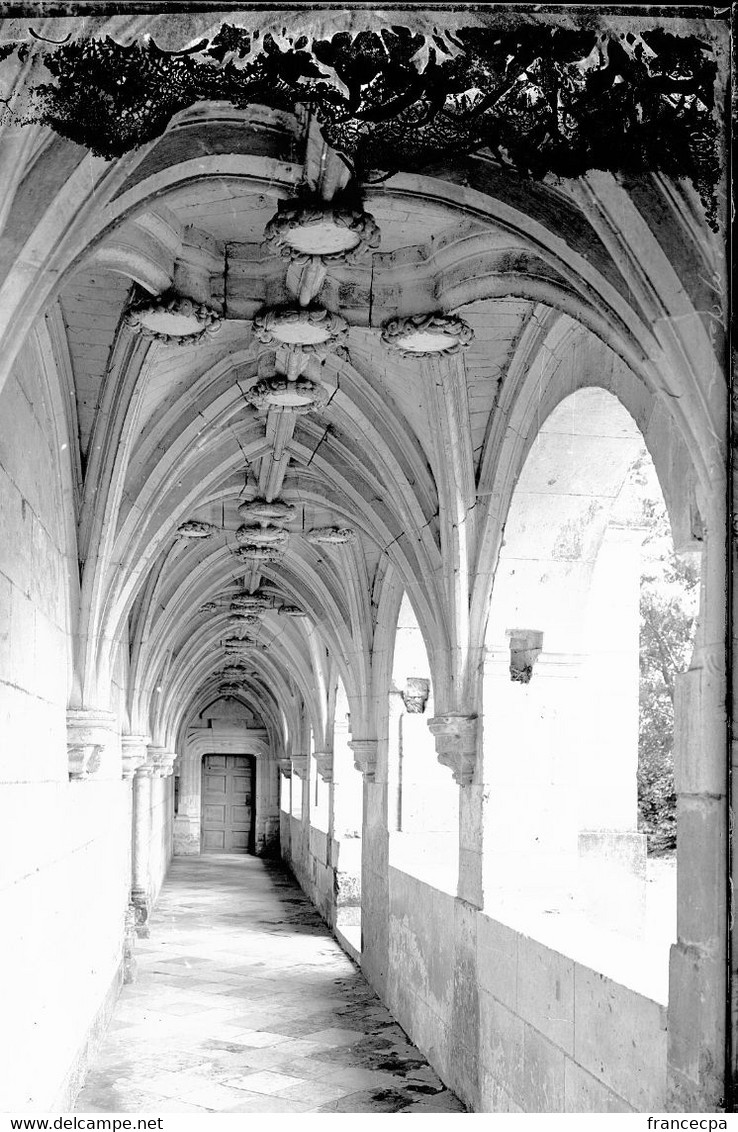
(140, 894)
(374, 864)
(133, 755)
(457, 737)
(187, 821)
(346, 819)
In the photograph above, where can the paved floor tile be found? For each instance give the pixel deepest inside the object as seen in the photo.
(245, 1003)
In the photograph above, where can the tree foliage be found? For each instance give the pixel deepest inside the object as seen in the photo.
(668, 605)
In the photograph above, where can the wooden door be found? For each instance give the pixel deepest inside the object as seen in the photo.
(227, 804)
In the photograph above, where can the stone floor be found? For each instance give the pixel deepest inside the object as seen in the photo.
(245, 1003)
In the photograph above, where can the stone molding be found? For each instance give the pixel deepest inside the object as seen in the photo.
(300, 766)
(134, 752)
(90, 733)
(365, 756)
(324, 761)
(456, 744)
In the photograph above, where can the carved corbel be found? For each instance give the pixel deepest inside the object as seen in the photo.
(525, 648)
(365, 756)
(285, 766)
(456, 744)
(161, 759)
(90, 734)
(134, 752)
(415, 695)
(324, 761)
(300, 766)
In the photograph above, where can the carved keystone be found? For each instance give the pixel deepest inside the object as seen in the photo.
(324, 761)
(89, 734)
(365, 756)
(456, 744)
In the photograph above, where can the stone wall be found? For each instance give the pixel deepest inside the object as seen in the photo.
(64, 862)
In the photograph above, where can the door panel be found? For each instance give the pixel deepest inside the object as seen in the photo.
(227, 803)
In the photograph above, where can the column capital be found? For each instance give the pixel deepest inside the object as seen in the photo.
(456, 744)
(365, 756)
(300, 766)
(133, 753)
(161, 760)
(324, 761)
(90, 733)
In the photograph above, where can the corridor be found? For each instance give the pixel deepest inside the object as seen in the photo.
(243, 1002)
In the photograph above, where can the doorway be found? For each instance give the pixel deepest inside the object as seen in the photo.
(227, 804)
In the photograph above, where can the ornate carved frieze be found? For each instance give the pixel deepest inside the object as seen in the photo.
(134, 750)
(90, 734)
(313, 330)
(324, 762)
(262, 536)
(331, 535)
(267, 511)
(302, 230)
(300, 396)
(427, 335)
(300, 766)
(194, 528)
(365, 756)
(456, 744)
(173, 319)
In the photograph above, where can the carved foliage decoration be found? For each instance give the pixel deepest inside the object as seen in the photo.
(173, 319)
(195, 528)
(541, 97)
(427, 335)
(331, 535)
(263, 510)
(301, 396)
(335, 234)
(262, 536)
(312, 329)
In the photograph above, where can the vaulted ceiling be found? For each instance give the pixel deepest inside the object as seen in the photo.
(393, 454)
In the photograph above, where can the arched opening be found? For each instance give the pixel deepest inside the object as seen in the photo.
(348, 802)
(592, 617)
(424, 800)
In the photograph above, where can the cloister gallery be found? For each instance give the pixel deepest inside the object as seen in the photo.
(360, 371)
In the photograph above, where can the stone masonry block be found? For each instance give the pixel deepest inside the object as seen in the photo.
(696, 1030)
(497, 960)
(701, 897)
(545, 992)
(584, 1093)
(543, 1074)
(501, 1045)
(620, 1038)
